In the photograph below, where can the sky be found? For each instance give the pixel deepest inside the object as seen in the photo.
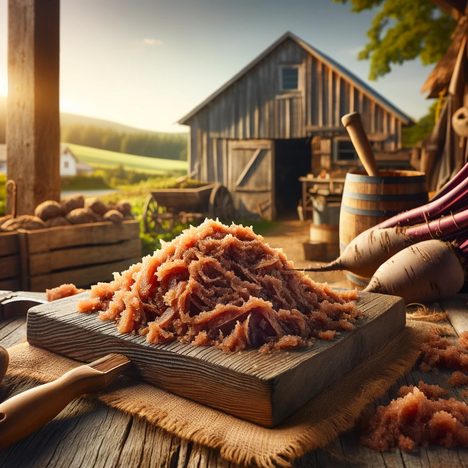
(147, 63)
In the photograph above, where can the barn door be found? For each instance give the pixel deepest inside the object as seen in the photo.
(250, 178)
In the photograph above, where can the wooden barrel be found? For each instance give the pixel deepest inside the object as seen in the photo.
(329, 236)
(368, 201)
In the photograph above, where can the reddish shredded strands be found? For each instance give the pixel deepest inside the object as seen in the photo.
(416, 420)
(431, 391)
(463, 340)
(222, 286)
(457, 379)
(65, 290)
(442, 352)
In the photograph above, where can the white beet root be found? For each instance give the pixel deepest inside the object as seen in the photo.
(367, 251)
(424, 272)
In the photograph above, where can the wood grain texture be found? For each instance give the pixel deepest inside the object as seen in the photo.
(54, 260)
(10, 284)
(9, 244)
(458, 314)
(9, 267)
(81, 254)
(86, 427)
(44, 240)
(252, 106)
(260, 388)
(33, 126)
(81, 277)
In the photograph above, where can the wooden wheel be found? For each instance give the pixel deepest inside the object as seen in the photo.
(155, 221)
(221, 205)
(165, 222)
(150, 213)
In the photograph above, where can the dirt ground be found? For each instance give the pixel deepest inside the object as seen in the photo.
(289, 236)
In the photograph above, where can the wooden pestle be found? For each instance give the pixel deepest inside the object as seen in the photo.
(26, 412)
(353, 124)
(4, 359)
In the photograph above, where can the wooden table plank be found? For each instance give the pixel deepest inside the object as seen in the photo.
(88, 433)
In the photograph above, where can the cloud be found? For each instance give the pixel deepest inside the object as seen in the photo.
(152, 42)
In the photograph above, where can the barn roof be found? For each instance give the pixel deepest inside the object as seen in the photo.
(344, 72)
(439, 78)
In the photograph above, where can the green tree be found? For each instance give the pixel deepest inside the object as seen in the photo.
(403, 30)
(412, 135)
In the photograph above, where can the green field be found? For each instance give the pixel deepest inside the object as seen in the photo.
(99, 158)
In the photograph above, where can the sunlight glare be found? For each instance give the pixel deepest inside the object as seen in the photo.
(3, 84)
(72, 107)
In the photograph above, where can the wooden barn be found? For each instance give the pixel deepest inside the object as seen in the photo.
(279, 119)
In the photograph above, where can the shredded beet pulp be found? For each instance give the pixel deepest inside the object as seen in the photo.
(222, 286)
(415, 419)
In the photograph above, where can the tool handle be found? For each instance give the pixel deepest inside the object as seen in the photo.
(4, 360)
(23, 414)
(358, 136)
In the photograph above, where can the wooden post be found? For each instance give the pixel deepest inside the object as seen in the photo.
(33, 118)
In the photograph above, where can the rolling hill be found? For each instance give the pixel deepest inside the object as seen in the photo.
(99, 158)
(73, 119)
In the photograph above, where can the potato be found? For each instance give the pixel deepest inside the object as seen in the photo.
(27, 222)
(114, 216)
(3, 219)
(80, 216)
(48, 209)
(98, 206)
(72, 202)
(124, 207)
(58, 221)
(96, 216)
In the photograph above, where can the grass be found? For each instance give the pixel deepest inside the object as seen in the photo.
(99, 158)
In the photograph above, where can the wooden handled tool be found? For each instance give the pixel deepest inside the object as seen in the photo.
(358, 136)
(23, 414)
(4, 359)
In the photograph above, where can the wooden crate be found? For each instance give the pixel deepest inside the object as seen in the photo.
(82, 254)
(10, 263)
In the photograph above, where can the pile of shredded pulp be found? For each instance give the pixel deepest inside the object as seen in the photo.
(222, 286)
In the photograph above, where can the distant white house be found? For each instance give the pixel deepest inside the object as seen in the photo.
(69, 164)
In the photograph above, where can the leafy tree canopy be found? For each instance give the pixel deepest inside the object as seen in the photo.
(403, 30)
(412, 135)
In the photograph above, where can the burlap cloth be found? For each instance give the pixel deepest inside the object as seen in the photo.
(314, 425)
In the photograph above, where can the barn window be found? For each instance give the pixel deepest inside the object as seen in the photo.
(65, 164)
(290, 78)
(345, 151)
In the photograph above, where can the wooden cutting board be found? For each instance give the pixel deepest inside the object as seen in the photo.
(262, 388)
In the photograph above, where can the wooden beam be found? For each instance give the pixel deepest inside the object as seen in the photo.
(215, 159)
(330, 97)
(320, 93)
(372, 117)
(453, 7)
(33, 119)
(204, 170)
(337, 99)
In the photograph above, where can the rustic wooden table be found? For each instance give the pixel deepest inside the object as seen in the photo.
(89, 434)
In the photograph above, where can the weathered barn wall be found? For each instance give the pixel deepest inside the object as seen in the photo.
(253, 107)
